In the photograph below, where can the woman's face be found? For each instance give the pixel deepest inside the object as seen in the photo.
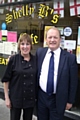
(25, 47)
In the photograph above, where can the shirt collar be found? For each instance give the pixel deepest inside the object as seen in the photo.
(56, 52)
(22, 58)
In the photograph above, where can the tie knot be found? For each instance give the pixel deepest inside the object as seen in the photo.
(52, 52)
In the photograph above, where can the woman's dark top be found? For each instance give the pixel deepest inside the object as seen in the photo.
(21, 75)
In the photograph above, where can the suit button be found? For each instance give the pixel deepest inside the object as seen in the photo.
(24, 83)
(31, 83)
(31, 75)
(29, 65)
(24, 98)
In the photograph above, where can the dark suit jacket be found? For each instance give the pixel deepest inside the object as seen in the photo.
(66, 80)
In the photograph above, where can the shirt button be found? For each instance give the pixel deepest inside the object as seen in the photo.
(22, 61)
(24, 98)
(31, 98)
(24, 83)
(24, 75)
(24, 91)
(31, 90)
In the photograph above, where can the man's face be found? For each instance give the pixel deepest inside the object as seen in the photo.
(53, 39)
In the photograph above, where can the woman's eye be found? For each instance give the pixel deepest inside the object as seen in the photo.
(25, 44)
(22, 43)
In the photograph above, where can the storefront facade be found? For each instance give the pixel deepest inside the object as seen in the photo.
(34, 17)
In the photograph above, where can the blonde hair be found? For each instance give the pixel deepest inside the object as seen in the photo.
(54, 28)
(24, 37)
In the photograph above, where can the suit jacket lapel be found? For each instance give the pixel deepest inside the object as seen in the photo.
(61, 64)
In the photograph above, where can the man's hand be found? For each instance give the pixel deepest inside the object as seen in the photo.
(68, 106)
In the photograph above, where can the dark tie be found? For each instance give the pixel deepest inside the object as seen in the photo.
(50, 80)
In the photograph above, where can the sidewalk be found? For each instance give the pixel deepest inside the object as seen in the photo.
(4, 112)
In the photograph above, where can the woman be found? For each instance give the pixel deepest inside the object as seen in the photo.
(20, 78)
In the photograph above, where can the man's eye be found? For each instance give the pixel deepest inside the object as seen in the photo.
(50, 37)
(55, 37)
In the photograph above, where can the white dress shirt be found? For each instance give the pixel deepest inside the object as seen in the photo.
(45, 67)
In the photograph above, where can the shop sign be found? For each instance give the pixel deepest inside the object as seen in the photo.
(43, 11)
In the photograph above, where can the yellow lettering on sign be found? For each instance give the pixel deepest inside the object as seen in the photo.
(43, 11)
(6, 61)
(55, 18)
(9, 18)
(27, 10)
(3, 61)
(23, 11)
(34, 38)
(0, 60)
(15, 14)
(20, 11)
(31, 10)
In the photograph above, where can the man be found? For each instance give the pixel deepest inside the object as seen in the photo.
(53, 103)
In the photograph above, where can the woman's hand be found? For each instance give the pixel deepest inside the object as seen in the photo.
(8, 102)
(9, 58)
